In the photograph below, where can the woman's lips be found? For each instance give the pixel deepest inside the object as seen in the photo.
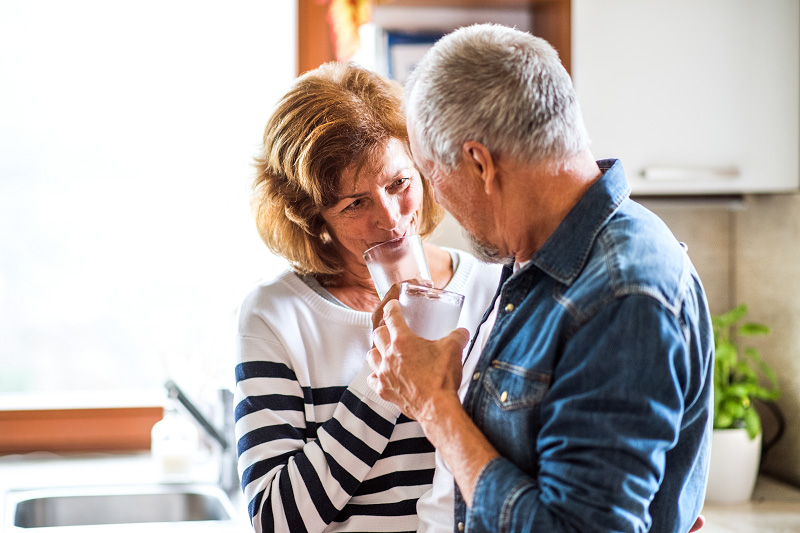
(398, 236)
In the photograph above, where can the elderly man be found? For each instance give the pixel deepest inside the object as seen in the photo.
(589, 402)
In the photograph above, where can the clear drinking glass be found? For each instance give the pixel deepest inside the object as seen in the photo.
(430, 313)
(397, 260)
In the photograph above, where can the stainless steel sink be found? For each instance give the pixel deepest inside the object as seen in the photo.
(107, 505)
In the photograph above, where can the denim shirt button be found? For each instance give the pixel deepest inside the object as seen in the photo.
(509, 308)
(476, 376)
(461, 526)
(504, 396)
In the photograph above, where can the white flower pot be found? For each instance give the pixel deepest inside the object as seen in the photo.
(734, 466)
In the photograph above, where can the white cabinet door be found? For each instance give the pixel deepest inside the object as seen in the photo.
(694, 96)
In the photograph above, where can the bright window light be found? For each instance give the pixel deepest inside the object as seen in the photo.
(127, 132)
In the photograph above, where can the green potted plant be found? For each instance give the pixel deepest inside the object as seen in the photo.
(740, 377)
(737, 373)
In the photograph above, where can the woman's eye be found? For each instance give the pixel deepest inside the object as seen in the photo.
(355, 204)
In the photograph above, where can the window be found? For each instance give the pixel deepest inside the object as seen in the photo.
(127, 131)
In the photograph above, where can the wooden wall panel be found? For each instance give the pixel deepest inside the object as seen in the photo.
(552, 21)
(314, 44)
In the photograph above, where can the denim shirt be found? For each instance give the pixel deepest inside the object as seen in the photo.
(595, 384)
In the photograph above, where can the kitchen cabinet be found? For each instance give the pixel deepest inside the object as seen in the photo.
(694, 96)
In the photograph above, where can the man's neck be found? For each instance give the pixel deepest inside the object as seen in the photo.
(539, 198)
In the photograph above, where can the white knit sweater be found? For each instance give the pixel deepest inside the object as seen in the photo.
(318, 449)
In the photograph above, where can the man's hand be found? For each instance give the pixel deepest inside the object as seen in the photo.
(699, 523)
(412, 372)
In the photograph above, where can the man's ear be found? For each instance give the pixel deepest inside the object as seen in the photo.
(479, 159)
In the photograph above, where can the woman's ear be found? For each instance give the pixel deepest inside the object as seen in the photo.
(479, 159)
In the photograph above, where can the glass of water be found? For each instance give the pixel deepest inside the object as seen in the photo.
(397, 260)
(430, 313)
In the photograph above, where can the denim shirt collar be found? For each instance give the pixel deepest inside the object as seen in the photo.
(564, 254)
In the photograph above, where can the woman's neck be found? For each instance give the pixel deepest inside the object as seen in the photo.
(355, 291)
(440, 264)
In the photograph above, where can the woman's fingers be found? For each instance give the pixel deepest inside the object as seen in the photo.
(392, 294)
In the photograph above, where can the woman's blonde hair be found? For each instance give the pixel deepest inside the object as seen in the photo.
(335, 116)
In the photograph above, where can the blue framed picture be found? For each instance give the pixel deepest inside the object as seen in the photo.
(404, 50)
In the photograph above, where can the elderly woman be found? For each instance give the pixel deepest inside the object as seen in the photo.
(318, 449)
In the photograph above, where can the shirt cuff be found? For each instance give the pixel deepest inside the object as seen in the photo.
(498, 485)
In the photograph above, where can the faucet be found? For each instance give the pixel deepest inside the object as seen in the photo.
(228, 474)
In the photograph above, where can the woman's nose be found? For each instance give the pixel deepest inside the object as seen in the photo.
(388, 215)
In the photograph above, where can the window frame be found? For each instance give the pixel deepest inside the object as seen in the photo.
(77, 421)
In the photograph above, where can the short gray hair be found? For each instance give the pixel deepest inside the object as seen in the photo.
(498, 86)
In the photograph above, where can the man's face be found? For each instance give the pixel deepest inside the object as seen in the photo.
(461, 193)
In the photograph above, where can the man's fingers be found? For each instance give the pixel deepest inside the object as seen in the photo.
(395, 325)
(374, 359)
(372, 381)
(698, 524)
(381, 339)
(459, 336)
(393, 318)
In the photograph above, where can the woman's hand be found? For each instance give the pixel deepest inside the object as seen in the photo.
(377, 316)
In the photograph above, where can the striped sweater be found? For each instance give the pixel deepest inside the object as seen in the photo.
(318, 449)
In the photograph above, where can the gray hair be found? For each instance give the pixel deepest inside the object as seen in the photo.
(498, 86)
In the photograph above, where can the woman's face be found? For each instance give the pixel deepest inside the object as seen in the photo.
(382, 202)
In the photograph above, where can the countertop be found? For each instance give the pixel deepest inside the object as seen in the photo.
(774, 508)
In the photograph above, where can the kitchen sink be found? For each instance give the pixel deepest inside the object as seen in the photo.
(108, 505)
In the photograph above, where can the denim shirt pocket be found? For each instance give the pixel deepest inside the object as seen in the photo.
(513, 399)
(514, 387)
